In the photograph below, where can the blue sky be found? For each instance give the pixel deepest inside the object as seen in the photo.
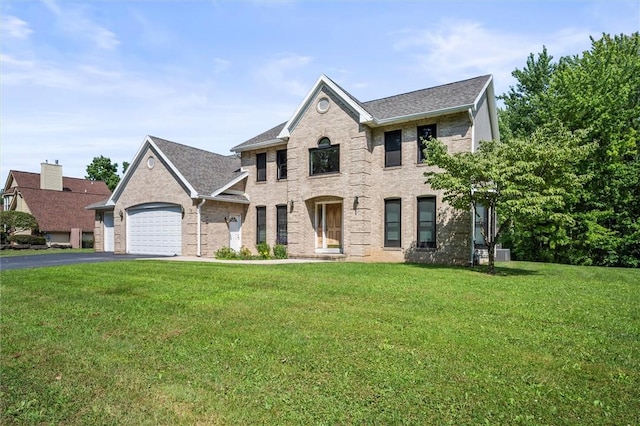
(84, 79)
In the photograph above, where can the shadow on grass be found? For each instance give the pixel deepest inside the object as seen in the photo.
(501, 271)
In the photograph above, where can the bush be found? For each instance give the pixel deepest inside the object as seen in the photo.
(27, 239)
(245, 253)
(226, 253)
(87, 244)
(280, 251)
(263, 250)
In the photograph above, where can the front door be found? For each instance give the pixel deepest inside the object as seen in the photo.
(235, 232)
(329, 228)
(108, 231)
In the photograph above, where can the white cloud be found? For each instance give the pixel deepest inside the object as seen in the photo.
(277, 73)
(14, 27)
(76, 22)
(456, 50)
(220, 65)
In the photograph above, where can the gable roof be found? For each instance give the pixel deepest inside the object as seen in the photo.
(204, 174)
(69, 184)
(58, 211)
(448, 98)
(428, 102)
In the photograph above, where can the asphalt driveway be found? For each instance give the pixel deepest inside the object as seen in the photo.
(58, 259)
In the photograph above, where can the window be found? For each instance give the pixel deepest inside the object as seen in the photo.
(393, 148)
(261, 225)
(281, 163)
(424, 133)
(481, 225)
(261, 166)
(426, 222)
(392, 223)
(281, 224)
(325, 158)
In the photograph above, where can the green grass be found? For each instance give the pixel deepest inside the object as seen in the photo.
(31, 252)
(335, 343)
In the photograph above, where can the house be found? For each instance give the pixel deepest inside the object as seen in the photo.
(341, 178)
(57, 202)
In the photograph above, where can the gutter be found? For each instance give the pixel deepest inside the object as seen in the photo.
(265, 144)
(199, 230)
(417, 116)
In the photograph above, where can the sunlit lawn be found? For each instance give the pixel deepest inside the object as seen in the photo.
(32, 252)
(152, 342)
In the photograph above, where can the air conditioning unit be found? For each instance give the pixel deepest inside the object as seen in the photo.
(503, 255)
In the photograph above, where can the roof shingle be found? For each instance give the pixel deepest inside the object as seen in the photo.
(60, 211)
(425, 101)
(205, 171)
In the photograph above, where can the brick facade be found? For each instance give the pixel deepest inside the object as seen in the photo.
(363, 175)
(351, 200)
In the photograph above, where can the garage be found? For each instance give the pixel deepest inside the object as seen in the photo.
(155, 229)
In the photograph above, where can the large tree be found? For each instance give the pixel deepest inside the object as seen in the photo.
(526, 180)
(526, 102)
(598, 93)
(101, 168)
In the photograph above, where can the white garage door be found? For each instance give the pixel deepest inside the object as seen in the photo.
(155, 229)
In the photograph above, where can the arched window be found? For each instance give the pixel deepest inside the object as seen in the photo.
(325, 158)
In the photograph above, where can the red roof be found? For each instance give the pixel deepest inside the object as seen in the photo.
(60, 210)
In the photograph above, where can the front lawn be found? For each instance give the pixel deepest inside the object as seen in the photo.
(33, 252)
(156, 342)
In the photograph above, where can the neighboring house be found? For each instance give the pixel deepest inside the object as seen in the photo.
(57, 202)
(341, 178)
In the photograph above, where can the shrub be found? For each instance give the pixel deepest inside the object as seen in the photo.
(245, 253)
(27, 239)
(280, 251)
(263, 250)
(87, 244)
(226, 253)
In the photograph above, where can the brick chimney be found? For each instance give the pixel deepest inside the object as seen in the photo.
(51, 176)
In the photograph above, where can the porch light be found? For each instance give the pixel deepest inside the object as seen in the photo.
(121, 214)
(290, 205)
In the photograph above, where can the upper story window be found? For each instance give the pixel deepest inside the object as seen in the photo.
(261, 167)
(424, 133)
(426, 222)
(281, 163)
(325, 158)
(393, 148)
(392, 225)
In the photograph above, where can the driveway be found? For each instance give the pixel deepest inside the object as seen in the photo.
(59, 259)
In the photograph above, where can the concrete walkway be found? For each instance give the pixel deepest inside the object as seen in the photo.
(242, 262)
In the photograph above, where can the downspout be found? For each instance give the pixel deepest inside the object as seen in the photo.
(473, 233)
(473, 209)
(199, 229)
(473, 131)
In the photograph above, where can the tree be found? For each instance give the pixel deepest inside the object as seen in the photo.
(526, 102)
(102, 169)
(598, 93)
(12, 221)
(523, 181)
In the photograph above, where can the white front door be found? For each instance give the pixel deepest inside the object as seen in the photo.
(107, 223)
(235, 232)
